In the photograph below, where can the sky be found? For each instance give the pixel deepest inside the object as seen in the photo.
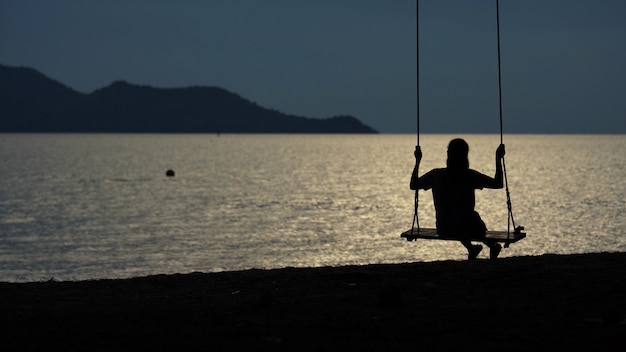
(562, 61)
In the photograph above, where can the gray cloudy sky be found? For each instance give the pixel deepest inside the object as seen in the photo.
(562, 60)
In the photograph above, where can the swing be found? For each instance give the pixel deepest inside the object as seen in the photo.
(507, 236)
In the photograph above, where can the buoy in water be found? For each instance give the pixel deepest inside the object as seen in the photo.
(169, 173)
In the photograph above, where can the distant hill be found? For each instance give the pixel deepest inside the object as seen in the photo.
(32, 102)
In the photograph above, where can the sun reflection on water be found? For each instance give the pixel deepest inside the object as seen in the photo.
(96, 206)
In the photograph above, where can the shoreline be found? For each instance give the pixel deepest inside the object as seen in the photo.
(573, 301)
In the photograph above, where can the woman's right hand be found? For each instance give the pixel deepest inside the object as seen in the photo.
(500, 152)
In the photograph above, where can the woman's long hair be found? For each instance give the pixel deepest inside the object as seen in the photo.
(458, 150)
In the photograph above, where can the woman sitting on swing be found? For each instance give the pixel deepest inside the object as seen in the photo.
(453, 194)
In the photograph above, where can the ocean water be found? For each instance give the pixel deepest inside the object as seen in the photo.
(76, 207)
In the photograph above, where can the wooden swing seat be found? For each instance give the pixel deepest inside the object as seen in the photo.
(498, 236)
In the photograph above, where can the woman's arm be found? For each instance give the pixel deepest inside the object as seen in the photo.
(415, 176)
(498, 177)
(484, 181)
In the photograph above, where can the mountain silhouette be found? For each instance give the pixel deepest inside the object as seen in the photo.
(32, 102)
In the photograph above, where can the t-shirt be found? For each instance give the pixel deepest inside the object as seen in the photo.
(453, 195)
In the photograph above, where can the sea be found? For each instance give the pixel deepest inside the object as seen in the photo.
(100, 206)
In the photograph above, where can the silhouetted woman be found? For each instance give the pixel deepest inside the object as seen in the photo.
(453, 194)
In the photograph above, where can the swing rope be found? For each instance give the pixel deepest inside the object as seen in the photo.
(510, 218)
(416, 222)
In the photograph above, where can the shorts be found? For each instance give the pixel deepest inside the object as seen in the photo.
(463, 228)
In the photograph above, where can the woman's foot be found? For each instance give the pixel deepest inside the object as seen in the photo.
(494, 250)
(473, 251)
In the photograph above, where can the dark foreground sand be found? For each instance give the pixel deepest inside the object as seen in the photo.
(573, 302)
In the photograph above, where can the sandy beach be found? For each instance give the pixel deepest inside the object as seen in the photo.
(574, 302)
